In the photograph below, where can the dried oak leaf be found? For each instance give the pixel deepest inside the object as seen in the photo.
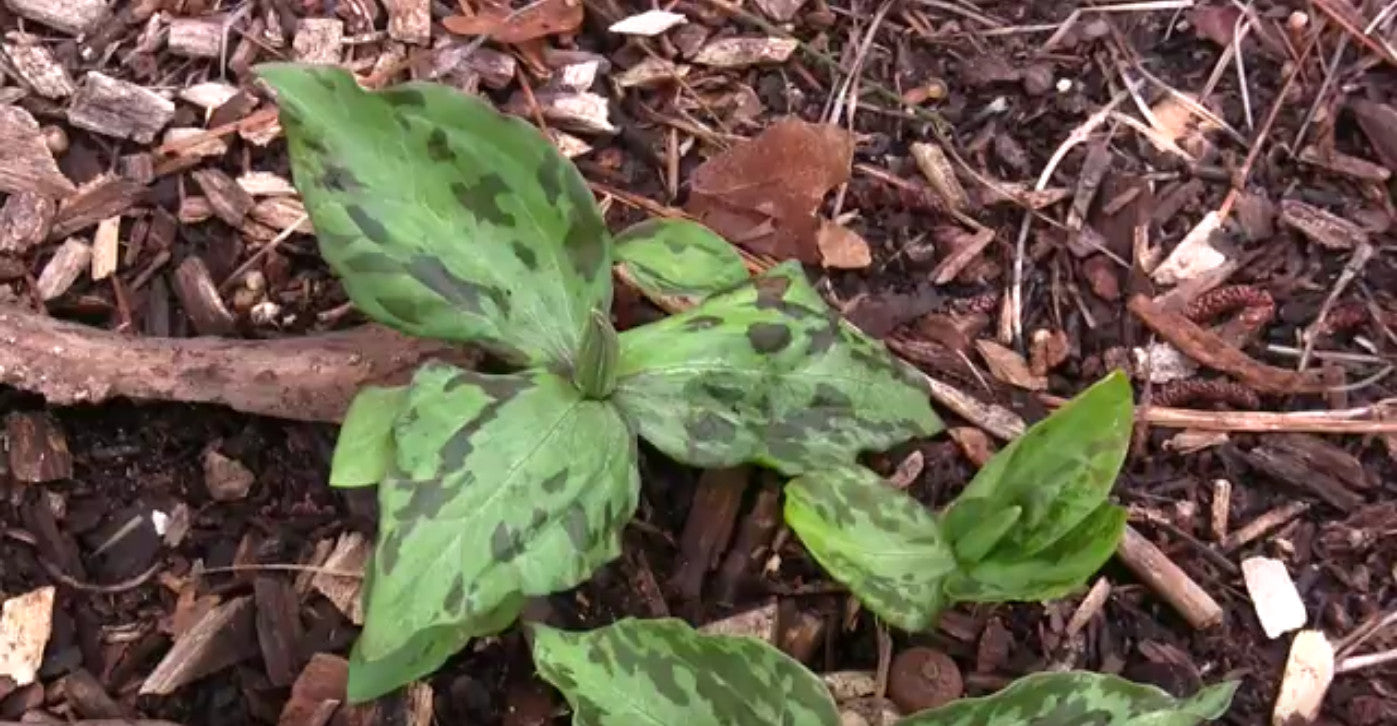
(763, 194)
(534, 21)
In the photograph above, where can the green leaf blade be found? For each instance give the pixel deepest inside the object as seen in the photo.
(766, 373)
(364, 449)
(663, 672)
(504, 487)
(879, 541)
(443, 217)
(678, 258)
(1080, 697)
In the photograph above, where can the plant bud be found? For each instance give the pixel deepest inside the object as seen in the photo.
(594, 372)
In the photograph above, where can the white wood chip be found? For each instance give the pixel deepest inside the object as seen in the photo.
(743, 52)
(212, 146)
(105, 246)
(209, 95)
(756, 623)
(113, 107)
(63, 268)
(585, 113)
(75, 17)
(569, 145)
(1194, 255)
(1273, 595)
(1160, 362)
(318, 40)
(1308, 672)
(34, 62)
(651, 70)
(648, 24)
(197, 37)
(409, 21)
(350, 553)
(25, 625)
(265, 184)
(577, 77)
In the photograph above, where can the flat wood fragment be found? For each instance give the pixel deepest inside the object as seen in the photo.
(222, 637)
(194, 209)
(198, 294)
(27, 164)
(225, 478)
(63, 269)
(85, 694)
(742, 52)
(74, 17)
(1010, 367)
(1273, 596)
(200, 37)
(26, 621)
(266, 184)
(318, 40)
(647, 24)
(1341, 163)
(278, 628)
(280, 213)
(1309, 669)
(581, 112)
(25, 219)
(939, 172)
(709, 526)
(409, 21)
(1195, 254)
(349, 556)
(36, 65)
(1279, 462)
(1156, 570)
(1222, 506)
(205, 146)
(322, 682)
(759, 623)
(228, 200)
(38, 450)
(105, 196)
(1322, 227)
(209, 95)
(111, 107)
(105, 248)
(651, 70)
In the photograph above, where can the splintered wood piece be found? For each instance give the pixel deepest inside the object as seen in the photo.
(33, 62)
(189, 155)
(712, 516)
(106, 195)
(229, 201)
(409, 21)
(27, 164)
(1323, 456)
(199, 296)
(1091, 605)
(1273, 595)
(38, 449)
(318, 40)
(26, 622)
(1280, 462)
(197, 37)
(757, 623)
(1222, 507)
(221, 638)
(1321, 227)
(209, 95)
(1009, 367)
(937, 169)
(1156, 570)
(799, 634)
(64, 268)
(266, 184)
(1345, 164)
(105, 248)
(74, 17)
(1263, 524)
(279, 213)
(322, 681)
(107, 106)
(24, 221)
(740, 52)
(278, 627)
(1309, 669)
(349, 556)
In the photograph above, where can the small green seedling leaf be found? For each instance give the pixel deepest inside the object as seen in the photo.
(1080, 698)
(766, 373)
(663, 672)
(678, 258)
(443, 217)
(364, 449)
(504, 486)
(1058, 474)
(595, 371)
(879, 541)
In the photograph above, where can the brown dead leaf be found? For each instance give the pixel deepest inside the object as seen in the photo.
(763, 194)
(842, 247)
(549, 17)
(974, 443)
(1009, 367)
(1048, 349)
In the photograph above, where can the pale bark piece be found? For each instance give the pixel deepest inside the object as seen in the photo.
(209, 95)
(36, 65)
(1009, 367)
(107, 106)
(85, 694)
(63, 269)
(1195, 255)
(1161, 362)
(841, 247)
(266, 184)
(1379, 124)
(1323, 228)
(25, 219)
(205, 146)
(197, 37)
(1222, 507)
(225, 478)
(580, 112)
(26, 621)
(221, 638)
(1156, 570)
(649, 71)
(567, 144)
(409, 21)
(105, 196)
(1273, 595)
(105, 248)
(318, 40)
(848, 685)
(305, 378)
(746, 51)
(229, 201)
(199, 296)
(1309, 670)
(648, 24)
(280, 213)
(349, 556)
(940, 173)
(781, 10)
(966, 248)
(757, 623)
(321, 682)
(38, 449)
(27, 164)
(75, 17)
(1048, 349)
(1341, 163)
(194, 209)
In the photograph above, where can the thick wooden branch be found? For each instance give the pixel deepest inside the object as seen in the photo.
(310, 378)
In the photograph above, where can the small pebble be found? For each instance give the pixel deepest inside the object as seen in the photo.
(1064, 85)
(922, 678)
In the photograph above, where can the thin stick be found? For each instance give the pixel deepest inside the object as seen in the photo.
(267, 249)
(1360, 257)
(1156, 570)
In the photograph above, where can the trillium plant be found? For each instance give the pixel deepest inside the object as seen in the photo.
(446, 219)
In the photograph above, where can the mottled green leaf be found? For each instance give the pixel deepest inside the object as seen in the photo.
(766, 373)
(364, 448)
(445, 218)
(595, 371)
(504, 486)
(879, 541)
(664, 673)
(1079, 698)
(678, 258)
(1059, 472)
